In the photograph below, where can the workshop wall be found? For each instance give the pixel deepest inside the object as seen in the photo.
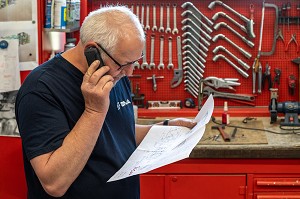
(281, 59)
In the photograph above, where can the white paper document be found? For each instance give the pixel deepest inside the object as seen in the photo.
(165, 144)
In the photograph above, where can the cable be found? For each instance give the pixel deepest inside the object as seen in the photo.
(254, 129)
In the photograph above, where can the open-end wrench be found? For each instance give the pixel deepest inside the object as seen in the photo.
(178, 73)
(168, 29)
(152, 64)
(131, 8)
(161, 24)
(137, 11)
(142, 15)
(170, 65)
(147, 27)
(154, 27)
(175, 30)
(190, 42)
(145, 63)
(161, 64)
(208, 90)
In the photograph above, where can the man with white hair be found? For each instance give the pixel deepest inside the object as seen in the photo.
(76, 121)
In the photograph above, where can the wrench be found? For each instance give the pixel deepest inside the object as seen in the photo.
(187, 20)
(188, 34)
(154, 27)
(186, 4)
(193, 71)
(178, 73)
(161, 53)
(187, 47)
(194, 45)
(190, 60)
(216, 37)
(196, 33)
(161, 25)
(142, 16)
(152, 64)
(145, 63)
(170, 65)
(208, 29)
(191, 92)
(193, 64)
(147, 27)
(138, 11)
(193, 81)
(175, 30)
(243, 73)
(168, 29)
(208, 90)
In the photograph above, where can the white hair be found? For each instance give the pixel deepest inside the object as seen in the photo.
(109, 25)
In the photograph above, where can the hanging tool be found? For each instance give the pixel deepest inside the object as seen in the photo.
(292, 84)
(267, 76)
(178, 73)
(269, 5)
(293, 39)
(297, 61)
(249, 22)
(221, 82)
(277, 77)
(298, 17)
(288, 8)
(256, 65)
(154, 84)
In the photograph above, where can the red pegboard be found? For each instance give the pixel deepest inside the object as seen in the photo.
(280, 59)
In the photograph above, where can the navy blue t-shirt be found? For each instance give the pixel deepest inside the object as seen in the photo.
(48, 105)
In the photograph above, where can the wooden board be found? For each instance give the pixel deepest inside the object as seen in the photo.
(242, 136)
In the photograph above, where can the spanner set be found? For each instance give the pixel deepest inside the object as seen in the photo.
(207, 48)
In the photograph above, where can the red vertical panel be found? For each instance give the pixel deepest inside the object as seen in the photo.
(12, 178)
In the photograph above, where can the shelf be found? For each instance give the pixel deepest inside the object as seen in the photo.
(70, 28)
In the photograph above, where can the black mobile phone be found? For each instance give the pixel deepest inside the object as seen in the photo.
(92, 53)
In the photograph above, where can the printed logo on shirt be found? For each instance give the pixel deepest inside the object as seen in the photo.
(122, 104)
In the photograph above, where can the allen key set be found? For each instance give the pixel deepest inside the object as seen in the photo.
(189, 44)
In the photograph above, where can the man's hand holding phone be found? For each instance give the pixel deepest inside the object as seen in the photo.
(96, 87)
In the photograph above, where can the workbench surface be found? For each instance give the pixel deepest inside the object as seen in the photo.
(276, 145)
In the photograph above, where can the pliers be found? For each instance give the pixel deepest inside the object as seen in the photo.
(267, 76)
(221, 82)
(293, 38)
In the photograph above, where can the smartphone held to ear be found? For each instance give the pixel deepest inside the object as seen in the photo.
(92, 53)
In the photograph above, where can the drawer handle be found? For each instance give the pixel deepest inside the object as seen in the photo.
(278, 183)
(278, 196)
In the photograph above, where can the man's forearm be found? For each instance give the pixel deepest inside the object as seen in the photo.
(58, 170)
